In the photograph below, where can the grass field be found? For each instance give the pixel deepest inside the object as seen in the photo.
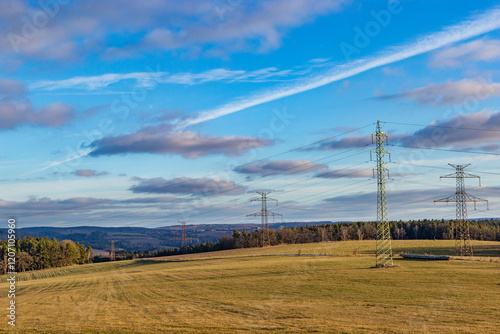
(242, 291)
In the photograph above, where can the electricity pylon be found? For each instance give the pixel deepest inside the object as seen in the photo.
(264, 214)
(184, 238)
(462, 234)
(384, 250)
(112, 251)
(112, 254)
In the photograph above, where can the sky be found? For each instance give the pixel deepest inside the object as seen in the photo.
(121, 113)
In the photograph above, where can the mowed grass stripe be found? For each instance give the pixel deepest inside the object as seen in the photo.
(265, 295)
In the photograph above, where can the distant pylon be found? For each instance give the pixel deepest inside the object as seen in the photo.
(112, 255)
(462, 233)
(183, 234)
(112, 251)
(184, 238)
(384, 250)
(264, 214)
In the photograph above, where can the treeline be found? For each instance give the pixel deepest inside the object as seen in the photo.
(41, 253)
(488, 230)
(420, 229)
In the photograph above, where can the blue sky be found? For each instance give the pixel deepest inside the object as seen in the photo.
(115, 113)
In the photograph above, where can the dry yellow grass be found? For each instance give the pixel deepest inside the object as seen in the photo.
(239, 291)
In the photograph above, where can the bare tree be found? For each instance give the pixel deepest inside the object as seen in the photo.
(324, 234)
(415, 230)
(402, 233)
(360, 233)
(344, 233)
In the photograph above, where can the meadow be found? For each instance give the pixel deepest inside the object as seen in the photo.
(281, 289)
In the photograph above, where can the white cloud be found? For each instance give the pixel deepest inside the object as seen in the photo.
(162, 140)
(16, 109)
(85, 26)
(188, 186)
(451, 92)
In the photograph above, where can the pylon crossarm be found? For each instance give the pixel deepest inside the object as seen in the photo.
(471, 176)
(472, 198)
(452, 198)
(270, 213)
(460, 174)
(449, 176)
(475, 199)
(257, 214)
(459, 166)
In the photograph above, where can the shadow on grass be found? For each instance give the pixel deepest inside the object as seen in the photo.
(478, 250)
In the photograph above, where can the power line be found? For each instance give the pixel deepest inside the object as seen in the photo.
(266, 177)
(287, 191)
(206, 176)
(230, 188)
(444, 149)
(437, 167)
(239, 215)
(444, 126)
(323, 192)
(221, 191)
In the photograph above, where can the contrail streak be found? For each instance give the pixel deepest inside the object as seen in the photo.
(473, 27)
(59, 162)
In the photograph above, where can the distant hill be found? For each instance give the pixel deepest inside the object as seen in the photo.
(141, 238)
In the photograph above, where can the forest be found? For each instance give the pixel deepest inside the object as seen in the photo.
(488, 230)
(42, 253)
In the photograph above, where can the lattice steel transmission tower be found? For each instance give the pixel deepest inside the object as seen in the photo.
(264, 214)
(384, 250)
(112, 254)
(112, 250)
(461, 227)
(184, 238)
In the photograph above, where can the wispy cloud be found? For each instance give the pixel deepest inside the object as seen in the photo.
(147, 79)
(479, 50)
(89, 173)
(188, 186)
(472, 27)
(451, 92)
(280, 167)
(352, 173)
